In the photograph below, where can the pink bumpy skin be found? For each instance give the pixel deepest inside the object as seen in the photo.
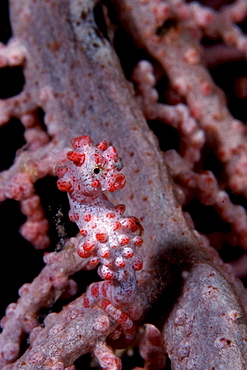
(108, 238)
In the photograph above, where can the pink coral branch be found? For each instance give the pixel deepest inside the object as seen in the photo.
(205, 187)
(178, 116)
(18, 183)
(179, 52)
(12, 54)
(21, 318)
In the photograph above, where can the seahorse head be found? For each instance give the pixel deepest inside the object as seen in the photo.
(91, 169)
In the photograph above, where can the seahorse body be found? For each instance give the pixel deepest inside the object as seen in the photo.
(108, 238)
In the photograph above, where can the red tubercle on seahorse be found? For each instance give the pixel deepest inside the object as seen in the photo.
(108, 238)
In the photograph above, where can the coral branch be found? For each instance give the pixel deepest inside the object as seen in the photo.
(192, 136)
(205, 187)
(12, 55)
(179, 53)
(21, 318)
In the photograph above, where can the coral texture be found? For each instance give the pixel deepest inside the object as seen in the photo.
(164, 81)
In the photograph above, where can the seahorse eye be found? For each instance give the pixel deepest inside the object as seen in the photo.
(96, 170)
